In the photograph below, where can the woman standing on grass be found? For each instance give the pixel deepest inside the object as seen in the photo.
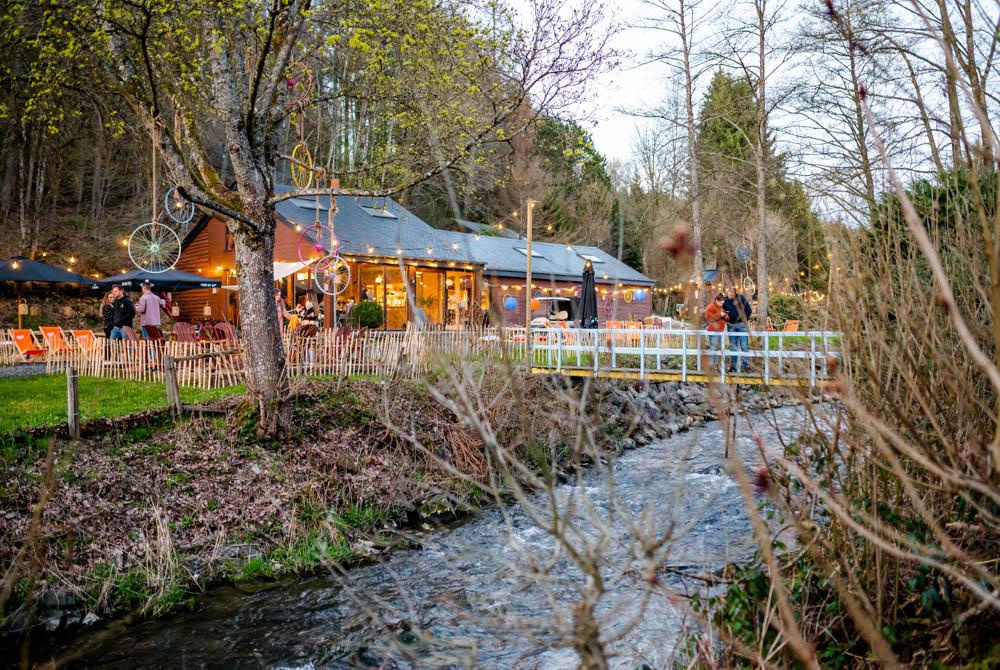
(108, 313)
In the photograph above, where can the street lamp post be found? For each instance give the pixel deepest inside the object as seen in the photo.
(527, 281)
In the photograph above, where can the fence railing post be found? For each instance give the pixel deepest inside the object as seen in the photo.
(173, 390)
(72, 402)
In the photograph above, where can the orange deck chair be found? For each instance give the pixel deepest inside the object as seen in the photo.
(791, 326)
(25, 342)
(85, 339)
(54, 339)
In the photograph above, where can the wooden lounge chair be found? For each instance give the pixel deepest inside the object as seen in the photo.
(25, 342)
(791, 326)
(85, 339)
(130, 334)
(227, 331)
(54, 339)
(184, 332)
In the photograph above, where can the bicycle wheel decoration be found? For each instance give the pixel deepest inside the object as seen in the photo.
(748, 285)
(154, 247)
(299, 81)
(302, 166)
(332, 275)
(627, 295)
(177, 207)
(314, 240)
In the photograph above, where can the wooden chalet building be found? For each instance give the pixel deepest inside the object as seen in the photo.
(447, 271)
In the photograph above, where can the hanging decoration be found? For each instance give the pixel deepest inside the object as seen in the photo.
(155, 247)
(509, 303)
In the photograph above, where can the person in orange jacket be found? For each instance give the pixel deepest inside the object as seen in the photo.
(715, 322)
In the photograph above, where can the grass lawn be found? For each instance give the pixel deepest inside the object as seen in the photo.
(28, 402)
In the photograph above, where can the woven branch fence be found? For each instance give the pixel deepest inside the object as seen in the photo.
(208, 365)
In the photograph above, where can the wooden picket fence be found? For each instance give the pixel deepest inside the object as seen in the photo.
(207, 365)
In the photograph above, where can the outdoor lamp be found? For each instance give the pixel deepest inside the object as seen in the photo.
(207, 310)
(175, 310)
(22, 308)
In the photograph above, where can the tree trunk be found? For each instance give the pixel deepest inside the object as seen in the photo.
(761, 169)
(263, 351)
(694, 191)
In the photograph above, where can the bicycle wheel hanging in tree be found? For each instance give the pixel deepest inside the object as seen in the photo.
(748, 285)
(177, 207)
(302, 166)
(332, 275)
(314, 240)
(154, 247)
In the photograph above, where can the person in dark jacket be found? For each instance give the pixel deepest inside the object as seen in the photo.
(738, 313)
(124, 313)
(108, 313)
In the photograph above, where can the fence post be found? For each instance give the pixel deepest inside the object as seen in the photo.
(173, 392)
(72, 403)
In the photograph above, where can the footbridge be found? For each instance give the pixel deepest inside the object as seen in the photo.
(805, 358)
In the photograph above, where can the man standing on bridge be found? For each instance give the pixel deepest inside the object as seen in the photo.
(738, 312)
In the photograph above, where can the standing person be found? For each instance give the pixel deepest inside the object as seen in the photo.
(283, 313)
(124, 313)
(715, 322)
(149, 313)
(108, 313)
(738, 313)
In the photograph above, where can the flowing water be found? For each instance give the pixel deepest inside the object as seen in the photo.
(463, 598)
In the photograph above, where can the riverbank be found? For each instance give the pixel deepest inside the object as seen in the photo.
(143, 514)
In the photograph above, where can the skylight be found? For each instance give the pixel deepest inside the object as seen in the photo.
(524, 252)
(592, 259)
(380, 212)
(308, 204)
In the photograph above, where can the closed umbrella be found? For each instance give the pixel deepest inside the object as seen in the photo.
(588, 298)
(20, 269)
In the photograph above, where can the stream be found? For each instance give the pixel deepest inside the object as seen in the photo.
(463, 598)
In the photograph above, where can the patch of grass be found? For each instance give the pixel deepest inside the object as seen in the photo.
(32, 402)
(308, 553)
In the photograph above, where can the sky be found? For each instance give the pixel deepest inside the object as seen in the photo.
(631, 86)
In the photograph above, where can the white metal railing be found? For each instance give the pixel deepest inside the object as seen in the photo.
(801, 355)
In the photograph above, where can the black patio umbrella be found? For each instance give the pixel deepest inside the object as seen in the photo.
(588, 298)
(20, 269)
(171, 280)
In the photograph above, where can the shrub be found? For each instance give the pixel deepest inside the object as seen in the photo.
(782, 307)
(366, 314)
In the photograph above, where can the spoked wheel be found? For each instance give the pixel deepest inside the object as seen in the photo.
(154, 247)
(177, 207)
(314, 242)
(332, 275)
(299, 81)
(748, 285)
(302, 166)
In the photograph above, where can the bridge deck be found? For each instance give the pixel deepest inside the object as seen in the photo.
(776, 359)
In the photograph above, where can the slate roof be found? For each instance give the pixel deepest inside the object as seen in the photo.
(490, 230)
(381, 226)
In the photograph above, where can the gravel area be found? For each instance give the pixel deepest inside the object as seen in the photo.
(22, 370)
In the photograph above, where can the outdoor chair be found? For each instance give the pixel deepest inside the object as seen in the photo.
(633, 338)
(85, 339)
(227, 331)
(616, 338)
(791, 326)
(54, 339)
(130, 334)
(184, 332)
(25, 342)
